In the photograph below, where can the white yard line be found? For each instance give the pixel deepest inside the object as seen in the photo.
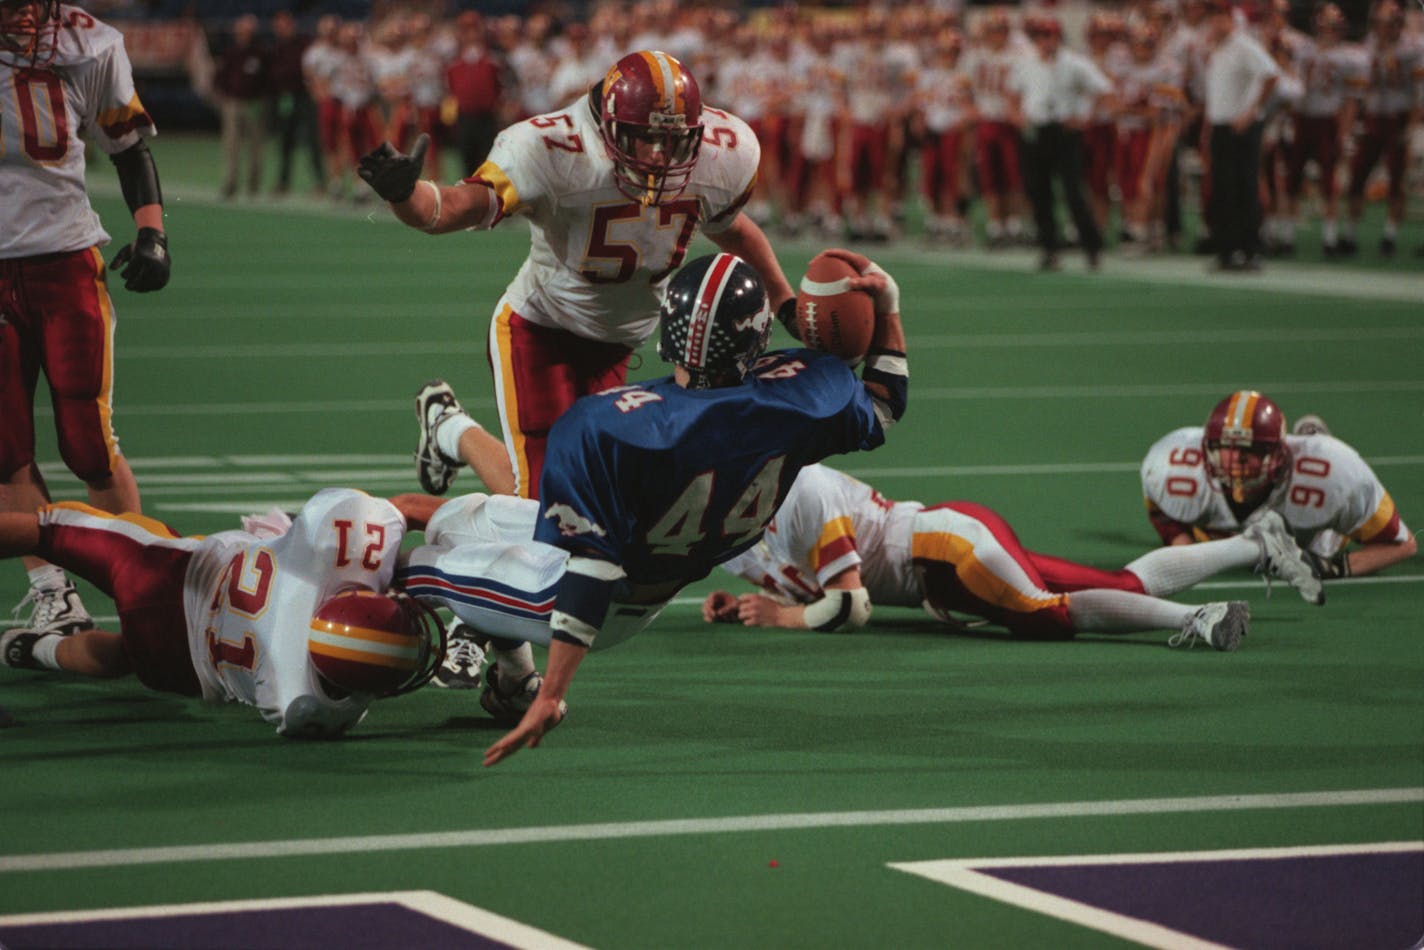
(368, 844)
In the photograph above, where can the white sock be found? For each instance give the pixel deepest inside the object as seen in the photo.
(1391, 228)
(448, 432)
(514, 664)
(47, 577)
(1328, 231)
(1120, 611)
(1166, 570)
(44, 651)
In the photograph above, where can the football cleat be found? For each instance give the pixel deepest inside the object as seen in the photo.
(1222, 625)
(56, 610)
(508, 701)
(463, 659)
(1310, 424)
(17, 648)
(434, 403)
(1281, 557)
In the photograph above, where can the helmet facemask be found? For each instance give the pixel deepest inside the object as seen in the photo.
(1244, 446)
(650, 119)
(29, 31)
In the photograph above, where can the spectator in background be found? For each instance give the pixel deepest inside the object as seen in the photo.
(241, 87)
(1240, 78)
(1392, 89)
(476, 81)
(578, 70)
(293, 114)
(319, 66)
(1051, 94)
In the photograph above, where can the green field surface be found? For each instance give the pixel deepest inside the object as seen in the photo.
(716, 786)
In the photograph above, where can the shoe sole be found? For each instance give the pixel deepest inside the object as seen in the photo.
(1228, 632)
(424, 451)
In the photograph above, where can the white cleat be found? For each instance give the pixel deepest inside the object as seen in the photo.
(1222, 625)
(56, 610)
(1282, 558)
(1310, 425)
(434, 403)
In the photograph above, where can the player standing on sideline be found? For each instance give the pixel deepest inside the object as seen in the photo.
(1392, 93)
(1210, 482)
(836, 546)
(647, 487)
(63, 75)
(286, 615)
(614, 187)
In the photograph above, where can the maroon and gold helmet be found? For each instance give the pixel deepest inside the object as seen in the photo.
(1244, 444)
(376, 644)
(29, 30)
(650, 117)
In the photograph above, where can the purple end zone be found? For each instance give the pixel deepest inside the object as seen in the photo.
(349, 926)
(1360, 901)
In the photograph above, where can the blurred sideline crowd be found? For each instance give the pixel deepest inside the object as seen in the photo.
(865, 112)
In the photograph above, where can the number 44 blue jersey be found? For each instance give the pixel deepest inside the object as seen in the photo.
(669, 482)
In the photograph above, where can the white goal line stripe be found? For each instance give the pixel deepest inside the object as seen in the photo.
(124, 857)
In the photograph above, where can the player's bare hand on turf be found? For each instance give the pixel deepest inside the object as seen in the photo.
(720, 607)
(541, 717)
(144, 264)
(393, 174)
(758, 610)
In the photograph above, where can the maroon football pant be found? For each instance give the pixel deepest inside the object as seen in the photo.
(57, 320)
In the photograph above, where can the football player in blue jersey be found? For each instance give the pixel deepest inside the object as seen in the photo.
(647, 487)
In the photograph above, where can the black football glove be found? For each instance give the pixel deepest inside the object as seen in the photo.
(144, 264)
(392, 174)
(786, 313)
(1329, 568)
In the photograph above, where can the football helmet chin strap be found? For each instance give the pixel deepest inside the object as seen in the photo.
(839, 610)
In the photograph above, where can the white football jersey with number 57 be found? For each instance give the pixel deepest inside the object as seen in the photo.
(1328, 494)
(598, 260)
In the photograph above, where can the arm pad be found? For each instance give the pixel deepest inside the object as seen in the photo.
(839, 610)
(138, 176)
(887, 370)
(582, 600)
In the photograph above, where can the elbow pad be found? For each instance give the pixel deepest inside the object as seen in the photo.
(582, 600)
(839, 610)
(138, 176)
(888, 370)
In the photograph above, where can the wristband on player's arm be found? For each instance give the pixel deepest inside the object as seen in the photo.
(839, 610)
(1330, 568)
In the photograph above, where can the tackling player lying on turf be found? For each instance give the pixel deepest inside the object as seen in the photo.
(291, 615)
(646, 488)
(837, 546)
(1214, 481)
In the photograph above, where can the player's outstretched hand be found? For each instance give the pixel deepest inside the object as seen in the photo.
(144, 264)
(873, 280)
(720, 607)
(542, 716)
(392, 174)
